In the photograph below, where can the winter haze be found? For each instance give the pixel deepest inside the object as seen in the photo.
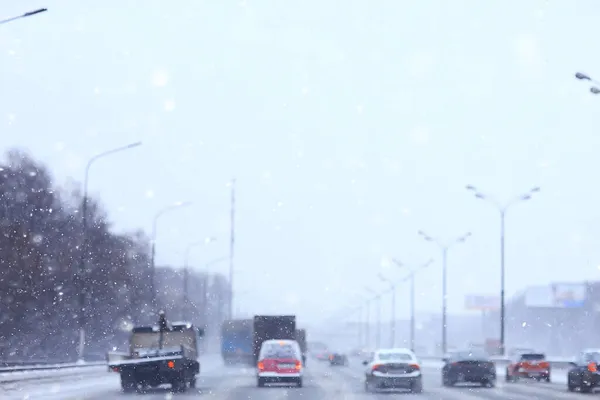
(348, 125)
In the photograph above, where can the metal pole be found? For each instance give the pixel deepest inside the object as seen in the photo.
(367, 327)
(152, 265)
(360, 339)
(393, 330)
(502, 283)
(444, 300)
(412, 311)
(82, 287)
(83, 256)
(378, 338)
(231, 248)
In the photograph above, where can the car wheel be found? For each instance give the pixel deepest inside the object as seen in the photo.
(368, 387)
(299, 383)
(193, 383)
(571, 387)
(260, 382)
(417, 386)
(547, 379)
(489, 383)
(508, 377)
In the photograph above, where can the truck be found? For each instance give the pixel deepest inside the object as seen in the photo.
(236, 341)
(163, 354)
(301, 339)
(267, 327)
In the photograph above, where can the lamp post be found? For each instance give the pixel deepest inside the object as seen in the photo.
(84, 239)
(411, 277)
(502, 209)
(584, 77)
(445, 247)
(27, 14)
(186, 263)
(378, 332)
(393, 316)
(157, 216)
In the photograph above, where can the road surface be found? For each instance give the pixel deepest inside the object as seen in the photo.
(322, 382)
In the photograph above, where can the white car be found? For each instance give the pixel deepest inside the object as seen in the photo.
(279, 361)
(393, 369)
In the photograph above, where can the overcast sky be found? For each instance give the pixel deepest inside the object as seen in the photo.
(349, 126)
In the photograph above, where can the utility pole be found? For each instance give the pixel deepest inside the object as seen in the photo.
(231, 248)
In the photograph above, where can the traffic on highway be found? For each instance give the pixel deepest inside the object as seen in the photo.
(311, 200)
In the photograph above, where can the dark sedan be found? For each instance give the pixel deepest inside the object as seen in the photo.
(469, 367)
(584, 374)
(338, 359)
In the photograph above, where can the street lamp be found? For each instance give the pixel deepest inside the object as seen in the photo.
(445, 247)
(84, 238)
(159, 214)
(584, 77)
(27, 14)
(377, 297)
(393, 321)
(503, 208)
(186, 262)
(411, 277)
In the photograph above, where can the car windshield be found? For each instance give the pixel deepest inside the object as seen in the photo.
(470, 355)
(533, 357)
(394, 357)
(279, 351)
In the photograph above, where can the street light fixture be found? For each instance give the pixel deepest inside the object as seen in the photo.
(27, 14)
(502, 209)
(84, 240)
(445, 247)
(584, 77)
(159, 214)
(411, 277)
(393, 321)
(186, 262)
(377, 297)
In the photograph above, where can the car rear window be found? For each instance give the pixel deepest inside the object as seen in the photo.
(279, 351)
(470, 355)
(592, 356)
(533, 357)
(394, 357)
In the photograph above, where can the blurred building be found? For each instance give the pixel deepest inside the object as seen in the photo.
(558, 318)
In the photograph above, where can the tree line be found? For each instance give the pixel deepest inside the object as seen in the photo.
(40, 254)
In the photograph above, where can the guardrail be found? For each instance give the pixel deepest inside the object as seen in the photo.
(38, 367)
(557, 362)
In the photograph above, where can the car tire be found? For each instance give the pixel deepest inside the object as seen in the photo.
(509, 378)
(128, 385)
(260, 382)
(193, 383)
(547, 379)
(571, 387)
(488, 383)
(299, 382)
(417, 386)
(368, 387)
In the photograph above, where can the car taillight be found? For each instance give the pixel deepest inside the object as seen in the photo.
(592, 367)
(415, 366)
(331, 357)
(261, 365)
(171, 364)
(375, 367)
(298, 365)
(545, 364)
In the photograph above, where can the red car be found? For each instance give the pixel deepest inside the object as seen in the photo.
(279, 361)
(529, 365)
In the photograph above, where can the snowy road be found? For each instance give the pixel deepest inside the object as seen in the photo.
(235, 383)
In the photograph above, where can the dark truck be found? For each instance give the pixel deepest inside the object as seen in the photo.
(301, 339)
(159, 354)
(236, 341)
(268, 327)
